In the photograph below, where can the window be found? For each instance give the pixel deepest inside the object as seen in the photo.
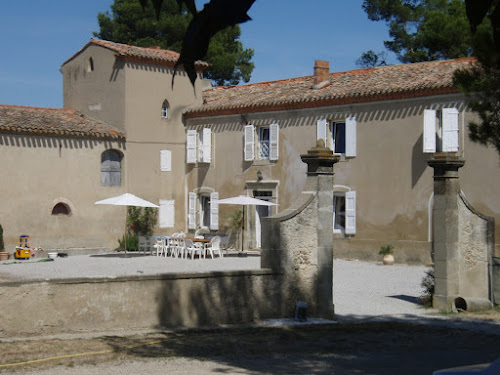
(344, 212)
(61, 209)
(203, 210)
(90, 65)
(164, 109)
(199, 146)
(337, 131)
(441, 130)
(166, 160)
(267, 145)
(340, 137)
(111, 168)
(166, 216)
(263, 143)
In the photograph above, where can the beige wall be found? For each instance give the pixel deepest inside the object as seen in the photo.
(42, 171)
(390, 173)
(100, 93)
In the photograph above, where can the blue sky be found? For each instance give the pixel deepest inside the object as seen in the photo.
(38, 36)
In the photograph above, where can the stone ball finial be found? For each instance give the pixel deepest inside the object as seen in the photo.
(320, 143)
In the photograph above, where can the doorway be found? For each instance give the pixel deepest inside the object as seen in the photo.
(260, 212)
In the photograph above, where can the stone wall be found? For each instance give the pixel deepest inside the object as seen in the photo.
(140, 302)
(476, 246)
(299, 240)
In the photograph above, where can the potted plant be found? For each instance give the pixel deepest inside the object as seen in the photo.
(386, 251)
(4, 255)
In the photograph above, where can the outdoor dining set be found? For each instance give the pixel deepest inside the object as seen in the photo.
(178, 246)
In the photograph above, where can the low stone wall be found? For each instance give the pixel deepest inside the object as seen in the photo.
(405, 252)
(141, 302)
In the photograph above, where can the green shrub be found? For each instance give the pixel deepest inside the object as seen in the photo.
(428, 283)
(386, 249)
(132, 243)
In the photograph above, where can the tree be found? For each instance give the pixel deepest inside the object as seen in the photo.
(423, 30)
(164, 23)
(371, 59)
(481, 81)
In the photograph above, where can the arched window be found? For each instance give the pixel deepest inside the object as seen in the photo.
(111, 169)
(61, 209)
(90, 66)
(164, 109)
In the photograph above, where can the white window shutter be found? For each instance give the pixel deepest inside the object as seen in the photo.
(249, 142)
(167, 214)
(321, 130)
(429, 137)
(214, 211)
(192, 211)
(166, 160)
(207, 145)
(350, 212)
(274, 141)
(450, 129)
(191, 146)
(350, 136)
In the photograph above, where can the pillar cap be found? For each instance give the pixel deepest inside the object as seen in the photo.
(320, 159)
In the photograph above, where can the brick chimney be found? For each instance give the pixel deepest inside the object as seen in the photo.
(321, 71)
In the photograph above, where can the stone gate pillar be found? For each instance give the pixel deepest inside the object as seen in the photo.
(462, 242)
(299, 240)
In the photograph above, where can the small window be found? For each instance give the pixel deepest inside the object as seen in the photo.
(340, 137)
(90, 66)
(263, 145)
(339, 213)
(337, 131)
(61, 209)
(111, 169)
(164, 109)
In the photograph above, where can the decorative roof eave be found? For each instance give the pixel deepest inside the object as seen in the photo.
(201, 65)
(117, 135)
(319, 102)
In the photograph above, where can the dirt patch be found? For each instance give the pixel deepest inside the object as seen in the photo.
(368, 348)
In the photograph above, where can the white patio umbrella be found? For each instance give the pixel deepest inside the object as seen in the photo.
(127, 199)
(245, 200)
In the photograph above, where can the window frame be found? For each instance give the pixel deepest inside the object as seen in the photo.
(112, 168)
(165, 109)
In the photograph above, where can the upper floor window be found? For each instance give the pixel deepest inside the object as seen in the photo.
(199, 146)
(441, 129)
(90, 65)
(261, 143)
(111, 170)
(340, 137)
(164, 109)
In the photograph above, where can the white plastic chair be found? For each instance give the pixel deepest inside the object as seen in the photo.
(145, 245)
(214, 246)
(160, 246)
(192, 248)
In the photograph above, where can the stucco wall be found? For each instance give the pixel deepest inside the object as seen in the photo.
(42, 171)
(147, 302)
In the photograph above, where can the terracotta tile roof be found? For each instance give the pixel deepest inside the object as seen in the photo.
(152, 55)
(355, 86)
(53, 122)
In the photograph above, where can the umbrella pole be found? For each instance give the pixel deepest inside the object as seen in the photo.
(126, 227)
(243, 229)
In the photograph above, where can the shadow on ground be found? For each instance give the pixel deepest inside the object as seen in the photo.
(353, 348)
